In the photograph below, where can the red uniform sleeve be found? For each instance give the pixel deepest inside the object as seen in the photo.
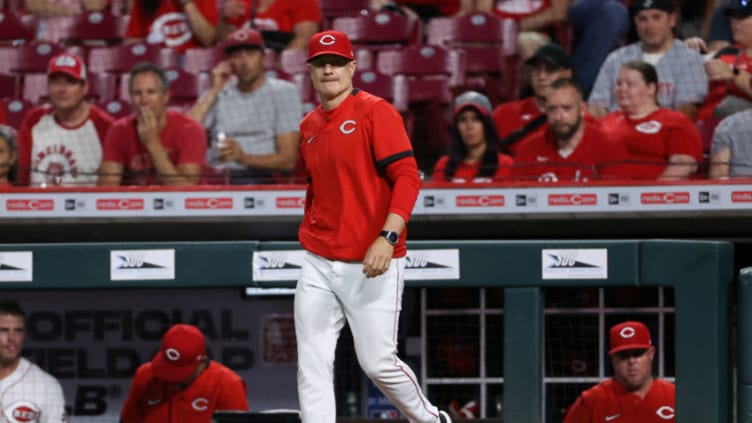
(394, 152)
(193, 145)
(133, 406)
(578, 412)
(102, 122)
(234, 395)
(25, 142)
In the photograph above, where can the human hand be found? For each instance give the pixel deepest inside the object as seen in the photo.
(718, 70)
(148, 127)
(234, 9)
(221, 74)
(697, 44)
(230, 151)
(378, 257)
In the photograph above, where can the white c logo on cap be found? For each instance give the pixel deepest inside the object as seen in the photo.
(627, 332)
(665, 412)
(172, 354)
(327, 40)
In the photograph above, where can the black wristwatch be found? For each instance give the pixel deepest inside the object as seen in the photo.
(391, 237)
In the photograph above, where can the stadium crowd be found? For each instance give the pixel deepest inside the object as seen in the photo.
(228, 84)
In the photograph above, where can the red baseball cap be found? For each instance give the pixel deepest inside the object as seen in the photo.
(69, 64)
(244, 37)
(183, 347)
(330, 42)
(629, 336)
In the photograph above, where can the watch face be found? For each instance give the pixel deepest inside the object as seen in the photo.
(392, 237)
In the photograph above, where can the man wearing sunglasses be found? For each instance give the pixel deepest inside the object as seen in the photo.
(632, 395)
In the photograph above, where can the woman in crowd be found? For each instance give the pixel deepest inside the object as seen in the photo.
(473, 151)
(7, 154)
(662, 143)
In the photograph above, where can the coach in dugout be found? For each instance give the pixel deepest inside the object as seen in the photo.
(27, 393)
(181, 384)
(633, 395)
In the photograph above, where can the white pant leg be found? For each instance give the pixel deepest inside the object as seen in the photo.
(318, 322)
(372, 309)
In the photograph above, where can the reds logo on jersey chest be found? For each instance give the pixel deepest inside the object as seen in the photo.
(22, 412)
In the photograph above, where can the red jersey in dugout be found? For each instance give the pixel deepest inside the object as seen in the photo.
(609, 402)
(169, 25)
(151, 400)
(595, 157)
(651, 140)
(518, 9)
(281, 15)
(353, 154)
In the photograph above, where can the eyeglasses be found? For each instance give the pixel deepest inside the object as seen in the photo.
(626, 354)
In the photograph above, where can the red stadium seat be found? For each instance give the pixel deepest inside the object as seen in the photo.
(115, 108)
(35, 88)
(293, 61)
(91, 28)
(198, 60)
(15, 27)
(380, 30)
(34, 56)
(8, 86)
(377, 84)
(425, 65)
(15, 111)
(337, 8)
(102, 86)
(121, 58)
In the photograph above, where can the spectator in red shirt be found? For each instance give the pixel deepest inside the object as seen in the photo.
(633, 394)
(573, 147)
(523, 119)
(178, 24)
(473, 152)
(7, 154)
(153, 145)
(285, 24)
(662, 143)
(181, 384)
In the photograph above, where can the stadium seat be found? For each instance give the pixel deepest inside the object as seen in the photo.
(121, 58)
(380, 30)
(375, 83)
(102, 87)
(476, 30)
(427, 66)
(35, 87)
(15, 27)
(337, 8)
(34, 56)
(198, 60)
(115, 108)
(8, 86)
(89, 28)
(15, 111)
(293, 61)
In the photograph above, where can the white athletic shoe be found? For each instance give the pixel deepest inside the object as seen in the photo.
(444, 417)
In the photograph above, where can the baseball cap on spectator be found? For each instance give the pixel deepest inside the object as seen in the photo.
(629, 336)
(243, 38)
(183, 347)
(552, 54)
(739, 9)
(664, 5)
(475, 100)
(330, 42)
(68, 64)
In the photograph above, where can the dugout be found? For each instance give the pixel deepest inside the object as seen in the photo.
(700, 274)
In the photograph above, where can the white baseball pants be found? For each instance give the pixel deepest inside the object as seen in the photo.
(330, 293)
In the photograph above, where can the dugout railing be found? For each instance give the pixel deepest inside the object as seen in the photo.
(700, 273)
